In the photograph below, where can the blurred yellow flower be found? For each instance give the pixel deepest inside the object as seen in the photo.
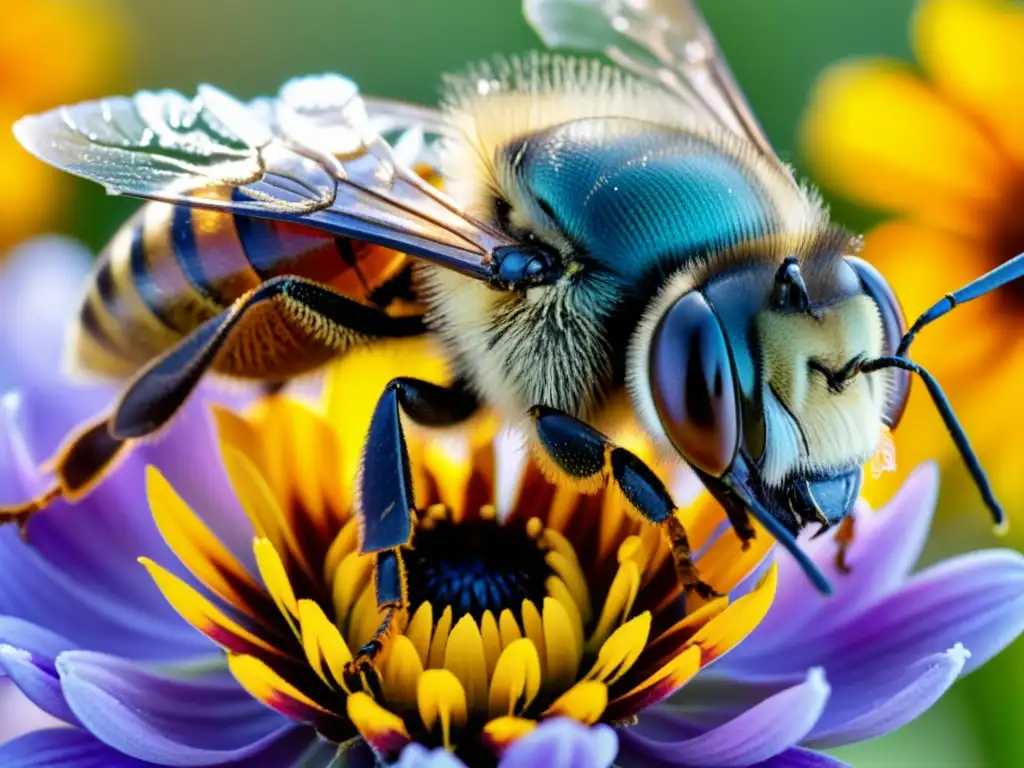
(944, 150)
(51, 52)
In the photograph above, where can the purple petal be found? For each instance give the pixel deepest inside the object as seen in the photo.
(975, 599)
(196, 721)
(761, 732)
(801, 758)
(887, 544)
(18, 715)
(37, 681)
(63, 748)
(40, 288)
(874, 708)
(563, 743)
(418, 756)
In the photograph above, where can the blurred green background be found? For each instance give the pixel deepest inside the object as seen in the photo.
(398, 48)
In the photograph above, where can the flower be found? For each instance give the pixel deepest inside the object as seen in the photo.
(563, 607)
(943, 150)
(92, 48)
(93, 644)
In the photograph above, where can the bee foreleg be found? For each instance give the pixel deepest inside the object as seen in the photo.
(844, 538)
(386, 501)
(86, 456)
(588, 457)
(161, 388)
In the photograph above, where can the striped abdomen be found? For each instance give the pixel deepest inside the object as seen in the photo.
(171, 267)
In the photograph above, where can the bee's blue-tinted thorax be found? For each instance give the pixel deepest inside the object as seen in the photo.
(634, 194)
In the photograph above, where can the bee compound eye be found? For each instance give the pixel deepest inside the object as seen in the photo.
(522, 266)
(692, 385)
(894, 325)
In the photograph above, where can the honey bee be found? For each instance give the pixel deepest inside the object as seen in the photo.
(607, 235)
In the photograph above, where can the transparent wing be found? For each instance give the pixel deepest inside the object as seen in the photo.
(312, 155)
(664, 41)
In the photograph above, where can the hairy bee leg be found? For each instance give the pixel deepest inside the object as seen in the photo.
(844, 538)
(392, 597)
(163, 386)
(386, 500)
(84, 459)
(586, 455)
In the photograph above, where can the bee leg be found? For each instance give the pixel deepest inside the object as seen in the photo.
(386, 500)
(844, 538)
(84, 459)
(591, 459)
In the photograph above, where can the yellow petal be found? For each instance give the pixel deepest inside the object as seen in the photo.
(620, 651)
(382, 730)
(617, 604)
(502, 732)
(492, 641)
(584, 702)
(556, 589)
(344, 544)
(239, 434)
(440, 698)
(197, 548)
(878, 134)
(533, 628)
(440, 640)
(516, 679)
(420, 627)
(267, 686)
(563, 561)
(464, 658)
(972, 50)
(659, 686)
(325, 649)
(509, 628)
(204, 615)
(364, 621)
(737, 621)
(351, 580)
(276, 579)
(560, 645)
(726, 563)
(402, 674)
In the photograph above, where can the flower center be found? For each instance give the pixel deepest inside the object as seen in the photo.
(475, 567)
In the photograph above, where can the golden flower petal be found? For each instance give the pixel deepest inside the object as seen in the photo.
(533, 628)
(440, 697)
(619, 652)
(351, 580)
(584, 702)
(464, 657)
(205, 616)
(419, 630)
(659, 686)
(325, 649)
(972, 50)
(402, 674)
(382, 730)
(878, 134)
(195, 546)
(617, 604)
(516, 679)
(561, 647)
(435, 659)
(508, 627)
(267, 686)
(275, 579)
(738, 620)
(501, 732)
(491, 637)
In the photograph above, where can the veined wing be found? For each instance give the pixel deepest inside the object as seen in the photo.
(667, 42)
(311, 155)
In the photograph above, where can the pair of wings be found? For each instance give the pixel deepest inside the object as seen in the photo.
(316, 152)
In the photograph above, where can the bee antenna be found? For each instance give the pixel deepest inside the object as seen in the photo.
(956, 430)
(1005, 273)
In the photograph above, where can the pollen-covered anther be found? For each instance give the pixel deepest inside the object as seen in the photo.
(565, 605)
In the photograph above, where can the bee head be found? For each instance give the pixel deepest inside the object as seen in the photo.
(755, 379)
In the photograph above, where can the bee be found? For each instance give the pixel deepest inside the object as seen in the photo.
(610, 238)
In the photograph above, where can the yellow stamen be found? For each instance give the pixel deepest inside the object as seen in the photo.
(440, 697)
(516, 679)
